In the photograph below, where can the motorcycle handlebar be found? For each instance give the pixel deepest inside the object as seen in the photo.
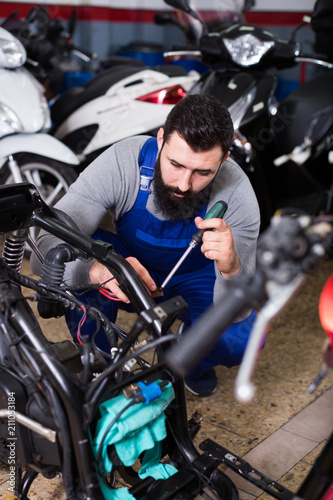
(281, 267)
(313, 59)
(240, 295)
(83, 54)
(123, 271)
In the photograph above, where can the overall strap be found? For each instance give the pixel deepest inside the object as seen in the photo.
(147, 160)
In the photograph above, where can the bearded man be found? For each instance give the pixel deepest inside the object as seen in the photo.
(158, 191)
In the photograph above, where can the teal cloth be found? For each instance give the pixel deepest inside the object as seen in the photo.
(140, 428)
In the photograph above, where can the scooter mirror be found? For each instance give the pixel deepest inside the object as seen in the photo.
(184, 5)
(248, 5)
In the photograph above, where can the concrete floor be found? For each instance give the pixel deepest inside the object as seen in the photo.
(284, 429)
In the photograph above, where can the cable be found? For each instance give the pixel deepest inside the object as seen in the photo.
(108, 294)
(116, 418)
(96, 388)
(81, 322)
(146, 393)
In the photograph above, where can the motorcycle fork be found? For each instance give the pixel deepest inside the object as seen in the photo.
(14, 169)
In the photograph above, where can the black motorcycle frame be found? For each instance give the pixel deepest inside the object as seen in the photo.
(20, 207)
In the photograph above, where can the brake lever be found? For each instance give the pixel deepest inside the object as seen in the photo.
(278, 296)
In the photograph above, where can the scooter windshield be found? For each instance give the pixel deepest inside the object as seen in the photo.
(214, 16)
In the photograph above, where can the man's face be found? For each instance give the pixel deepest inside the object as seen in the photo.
(181, 175)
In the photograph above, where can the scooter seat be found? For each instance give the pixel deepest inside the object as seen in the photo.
(75, 97)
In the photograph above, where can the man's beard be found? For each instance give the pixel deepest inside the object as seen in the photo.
(172, 207)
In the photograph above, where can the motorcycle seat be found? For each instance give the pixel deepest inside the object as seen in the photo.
(75, 97)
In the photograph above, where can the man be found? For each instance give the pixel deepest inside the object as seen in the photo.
(159, 190)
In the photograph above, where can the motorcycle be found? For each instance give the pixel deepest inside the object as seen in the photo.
(27, 151)
(241, 58)
(52, 57)
(64, 408)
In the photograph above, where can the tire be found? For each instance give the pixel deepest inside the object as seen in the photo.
(51, 177)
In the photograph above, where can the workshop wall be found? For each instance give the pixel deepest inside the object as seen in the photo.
(105, 26)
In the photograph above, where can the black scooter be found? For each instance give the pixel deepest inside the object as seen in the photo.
(240, 57)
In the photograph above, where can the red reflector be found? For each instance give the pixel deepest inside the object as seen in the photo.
(169, 95)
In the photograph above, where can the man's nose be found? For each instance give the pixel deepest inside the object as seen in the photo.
(185, 181)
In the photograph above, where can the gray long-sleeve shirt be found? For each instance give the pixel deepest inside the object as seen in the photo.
(110, 184)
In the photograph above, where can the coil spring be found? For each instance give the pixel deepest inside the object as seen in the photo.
(13, 249)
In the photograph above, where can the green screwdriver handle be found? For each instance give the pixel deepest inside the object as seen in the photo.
(216, 212)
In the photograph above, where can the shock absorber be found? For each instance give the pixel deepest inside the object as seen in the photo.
(13, 248)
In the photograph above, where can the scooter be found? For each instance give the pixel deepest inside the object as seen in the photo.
(119, 102)
(27, 151)
(64, 409)
(240, 58)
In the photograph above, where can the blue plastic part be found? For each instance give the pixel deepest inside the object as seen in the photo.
(150, 391)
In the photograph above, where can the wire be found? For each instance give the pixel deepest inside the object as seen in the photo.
(116, 418)
(108, 294)
(96, 388)
(81, 322)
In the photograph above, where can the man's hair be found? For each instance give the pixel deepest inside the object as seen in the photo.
(202, 121)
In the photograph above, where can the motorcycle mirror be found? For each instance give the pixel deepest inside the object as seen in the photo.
(32, 14)
(72, 23)
(184, 5)
(248, 5)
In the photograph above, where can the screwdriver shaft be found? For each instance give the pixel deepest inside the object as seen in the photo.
(179, 263)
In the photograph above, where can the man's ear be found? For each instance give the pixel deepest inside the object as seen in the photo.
(160, 137)
(226, 157)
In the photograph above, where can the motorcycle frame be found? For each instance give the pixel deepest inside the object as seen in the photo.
(28, 209)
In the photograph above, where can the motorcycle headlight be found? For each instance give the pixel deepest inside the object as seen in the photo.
(247, 49)
(12, 53)
(9, 122)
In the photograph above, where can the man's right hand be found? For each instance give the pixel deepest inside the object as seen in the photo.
(98, 274)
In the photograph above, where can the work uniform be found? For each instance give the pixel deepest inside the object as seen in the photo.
(158, 245)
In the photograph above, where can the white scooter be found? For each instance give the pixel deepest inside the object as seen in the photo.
(123, 100)
(27, 151)
(117, 103)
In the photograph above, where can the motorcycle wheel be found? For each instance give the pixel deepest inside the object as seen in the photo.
(51, 177)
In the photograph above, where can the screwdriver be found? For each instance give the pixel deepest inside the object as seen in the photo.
(217, 211)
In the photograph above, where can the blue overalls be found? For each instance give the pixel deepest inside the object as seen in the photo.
(158, 245)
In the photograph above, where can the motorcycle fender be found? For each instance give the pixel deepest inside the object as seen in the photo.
(39, 144)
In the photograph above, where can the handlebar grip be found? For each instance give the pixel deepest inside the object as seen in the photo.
(206, 331)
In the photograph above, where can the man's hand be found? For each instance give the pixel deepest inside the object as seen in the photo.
(98, 274)
(218, 245)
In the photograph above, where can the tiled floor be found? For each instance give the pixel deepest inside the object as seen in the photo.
(283, 430)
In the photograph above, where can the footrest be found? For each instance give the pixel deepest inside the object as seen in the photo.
(245, 470)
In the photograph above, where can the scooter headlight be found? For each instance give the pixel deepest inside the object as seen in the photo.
(9, 121)
(46, 113)
(247, 49)
(12, 53)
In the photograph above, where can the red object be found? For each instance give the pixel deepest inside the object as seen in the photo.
(326, 309)
(329, 493)
(102, 13)
(169, 95)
